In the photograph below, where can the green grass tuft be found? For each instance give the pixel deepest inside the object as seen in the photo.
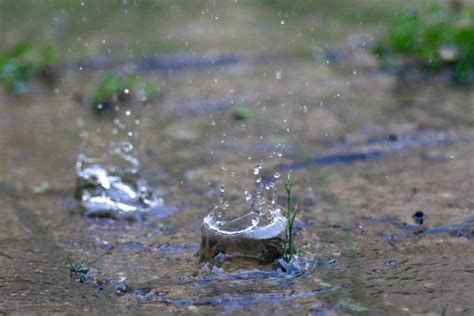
(24, 62)
(242, 114)
(436, 38)
(112, 89)
(79, 272)
(289, 249)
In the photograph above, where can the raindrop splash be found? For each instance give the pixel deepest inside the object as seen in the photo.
(108, 182)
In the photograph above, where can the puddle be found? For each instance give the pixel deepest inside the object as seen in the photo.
(367, 152)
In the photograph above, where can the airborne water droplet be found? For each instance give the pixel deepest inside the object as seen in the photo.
(248, 196)
(256, 169)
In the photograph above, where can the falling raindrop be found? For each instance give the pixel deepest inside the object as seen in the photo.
(278, 75)
(248, 196)
(256, 169)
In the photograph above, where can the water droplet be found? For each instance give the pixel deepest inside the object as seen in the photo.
(282, 22)
(276, 175)
(248, 196)
(278, 75)
(126, 91)
(127, 113)
(256, 169)
(225, 167)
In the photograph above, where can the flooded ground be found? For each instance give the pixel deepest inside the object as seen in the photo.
(368, 150)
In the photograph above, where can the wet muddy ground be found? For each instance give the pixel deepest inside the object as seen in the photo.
(367, 149)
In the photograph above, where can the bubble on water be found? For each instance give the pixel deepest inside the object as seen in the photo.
(225, 167)
(259, 180)
(391, 263)
(276, 175)
(282, 22)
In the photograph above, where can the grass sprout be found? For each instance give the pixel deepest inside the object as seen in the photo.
(289, 249)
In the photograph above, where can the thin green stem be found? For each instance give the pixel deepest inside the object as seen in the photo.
(289, 246)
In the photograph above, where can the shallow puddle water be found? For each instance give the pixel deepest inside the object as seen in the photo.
(382, 172)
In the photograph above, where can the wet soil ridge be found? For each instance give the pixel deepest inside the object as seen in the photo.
(350, 153)
(464, 229)
(168, 62)
(229, 300)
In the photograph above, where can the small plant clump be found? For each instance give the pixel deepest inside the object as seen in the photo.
(112, 89)
(435, 39)
(22, 63)
(242, 114)
(289, 249)
(79, 272)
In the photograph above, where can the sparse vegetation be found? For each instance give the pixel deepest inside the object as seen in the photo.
(79, 272)
(112, 89)
(437, 38)
(24, 62)
(289, 249)
(242, 114)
